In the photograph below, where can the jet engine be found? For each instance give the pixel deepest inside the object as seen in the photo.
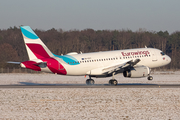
(137, 72)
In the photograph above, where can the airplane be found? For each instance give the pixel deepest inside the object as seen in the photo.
(133, 63)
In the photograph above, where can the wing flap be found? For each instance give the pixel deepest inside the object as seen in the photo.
(116, 68)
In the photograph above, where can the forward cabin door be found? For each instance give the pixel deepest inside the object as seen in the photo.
(154, 56)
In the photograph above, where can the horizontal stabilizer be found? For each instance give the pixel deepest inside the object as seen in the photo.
(14, 62)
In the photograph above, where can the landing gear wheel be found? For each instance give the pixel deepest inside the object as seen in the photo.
(113, 82)
(150, 78)
(90, 82)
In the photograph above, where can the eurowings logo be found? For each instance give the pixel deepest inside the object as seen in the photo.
(135, 53)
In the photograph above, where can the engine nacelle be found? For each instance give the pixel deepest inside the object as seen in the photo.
(137, 72)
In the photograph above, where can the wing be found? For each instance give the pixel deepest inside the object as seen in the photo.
(118, 68)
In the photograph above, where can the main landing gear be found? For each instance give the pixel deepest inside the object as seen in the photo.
(150, 78)
(113, 81)
(90, 81)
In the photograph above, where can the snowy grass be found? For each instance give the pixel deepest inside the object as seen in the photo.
(19, 78)
(89, 103)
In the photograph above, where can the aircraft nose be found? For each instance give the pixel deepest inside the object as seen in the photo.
(168, 59)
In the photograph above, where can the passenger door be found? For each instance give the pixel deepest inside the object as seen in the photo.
(154, 56)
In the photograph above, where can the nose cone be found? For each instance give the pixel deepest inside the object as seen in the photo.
(168, 60)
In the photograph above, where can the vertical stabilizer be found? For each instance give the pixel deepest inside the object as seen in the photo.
(36, 49)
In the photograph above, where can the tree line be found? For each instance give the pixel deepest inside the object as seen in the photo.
(12, 46)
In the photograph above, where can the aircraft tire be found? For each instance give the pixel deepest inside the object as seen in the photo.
(90, 82)
(150, 78)
(113, 82)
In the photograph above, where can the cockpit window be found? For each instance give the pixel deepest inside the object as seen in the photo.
(162, 53)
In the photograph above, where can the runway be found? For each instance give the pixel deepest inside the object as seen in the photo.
(128, 85)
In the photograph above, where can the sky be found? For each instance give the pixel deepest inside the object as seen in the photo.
(149, 15)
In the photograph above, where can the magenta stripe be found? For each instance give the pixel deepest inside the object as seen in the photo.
(30, 65)
(38, 50)
(55, 66)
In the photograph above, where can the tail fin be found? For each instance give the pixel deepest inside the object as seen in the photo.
(36, 49)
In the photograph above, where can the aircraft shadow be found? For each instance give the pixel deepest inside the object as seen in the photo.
(49, 84)
(120, 85)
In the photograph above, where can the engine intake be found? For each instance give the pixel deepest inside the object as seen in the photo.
(137, 72)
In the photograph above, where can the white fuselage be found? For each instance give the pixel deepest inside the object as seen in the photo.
(97, 61)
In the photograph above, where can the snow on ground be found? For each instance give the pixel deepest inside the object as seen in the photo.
(89, 103)
(20, 78)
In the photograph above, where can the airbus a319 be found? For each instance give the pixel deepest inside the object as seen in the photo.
(133, 63)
